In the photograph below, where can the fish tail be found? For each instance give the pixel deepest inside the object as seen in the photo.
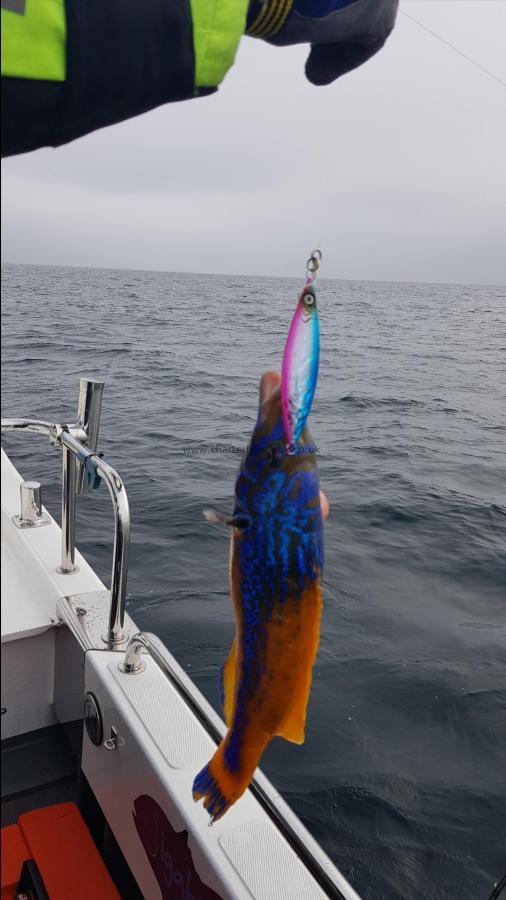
(218, 786)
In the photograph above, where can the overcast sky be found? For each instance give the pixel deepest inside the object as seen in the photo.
(398, 169)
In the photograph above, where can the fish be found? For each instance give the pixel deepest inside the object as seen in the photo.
(276, 565)
(300, 365)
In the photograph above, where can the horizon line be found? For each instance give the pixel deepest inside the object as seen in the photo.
(251, 274)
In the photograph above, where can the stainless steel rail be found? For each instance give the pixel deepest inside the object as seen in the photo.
(328, 877)
(119, 499)
(71, 439)
(33, 426)
(54, 432)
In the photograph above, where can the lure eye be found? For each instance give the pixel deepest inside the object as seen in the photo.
(309, 299)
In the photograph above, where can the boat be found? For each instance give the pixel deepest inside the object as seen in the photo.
(103, 731)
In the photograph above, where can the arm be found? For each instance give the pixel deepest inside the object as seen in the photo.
(70, 67)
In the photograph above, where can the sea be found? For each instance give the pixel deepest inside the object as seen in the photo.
(402, 777)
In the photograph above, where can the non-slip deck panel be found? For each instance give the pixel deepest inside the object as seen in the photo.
(281, 873)
(164, 713)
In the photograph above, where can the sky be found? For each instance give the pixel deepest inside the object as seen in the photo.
(397, 170)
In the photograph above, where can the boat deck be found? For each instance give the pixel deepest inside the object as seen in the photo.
(147, 732)
(38, 769)
(31, 584)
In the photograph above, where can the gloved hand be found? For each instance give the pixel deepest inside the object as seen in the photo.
(343, 33)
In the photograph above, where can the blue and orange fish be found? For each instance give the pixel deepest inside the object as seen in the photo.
(275, 574)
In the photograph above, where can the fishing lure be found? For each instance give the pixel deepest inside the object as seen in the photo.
(300, 361)
(276, 566)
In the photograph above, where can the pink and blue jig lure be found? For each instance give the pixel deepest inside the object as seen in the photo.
(300, 361)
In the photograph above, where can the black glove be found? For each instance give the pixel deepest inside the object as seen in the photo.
(343, 33)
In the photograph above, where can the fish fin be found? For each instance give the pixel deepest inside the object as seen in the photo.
(212, 515)
(292, 727)
(217, 518)
(218, 786)
(228, 684)
(207, 786)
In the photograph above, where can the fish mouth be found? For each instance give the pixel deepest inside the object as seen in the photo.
(270, 383)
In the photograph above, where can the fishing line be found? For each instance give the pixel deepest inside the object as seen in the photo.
(453, 47)
(498, 889)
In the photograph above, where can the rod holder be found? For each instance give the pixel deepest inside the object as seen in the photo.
(88, 418)
(31, 506)
(68, 513)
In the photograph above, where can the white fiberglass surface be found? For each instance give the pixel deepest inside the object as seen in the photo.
(31, 585)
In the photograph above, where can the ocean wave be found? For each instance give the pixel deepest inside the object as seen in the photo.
(365, 402)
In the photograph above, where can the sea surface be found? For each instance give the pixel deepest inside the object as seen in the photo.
(402, 777)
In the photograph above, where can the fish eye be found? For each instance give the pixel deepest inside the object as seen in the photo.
(241, 521)
(309, 299)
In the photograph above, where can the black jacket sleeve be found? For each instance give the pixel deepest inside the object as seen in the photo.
(124, 57)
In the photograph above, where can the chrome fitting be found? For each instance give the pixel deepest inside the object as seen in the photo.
(133, 662)
(31, 506)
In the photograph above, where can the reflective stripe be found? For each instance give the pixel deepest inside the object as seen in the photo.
(217, 29)
(271, 19)
(33, 40)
